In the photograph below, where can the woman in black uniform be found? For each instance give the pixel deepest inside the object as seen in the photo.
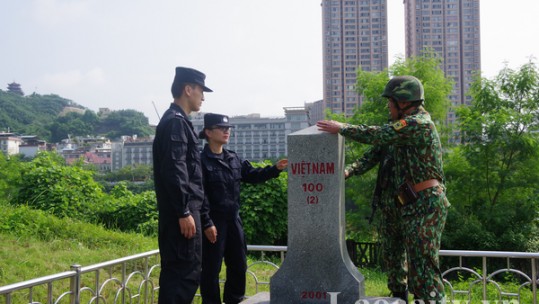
(223, 171)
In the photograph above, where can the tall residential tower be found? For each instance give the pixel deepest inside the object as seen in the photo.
(354, 35)
(451, 29)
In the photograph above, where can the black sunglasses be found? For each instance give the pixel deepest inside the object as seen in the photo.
(222, 128)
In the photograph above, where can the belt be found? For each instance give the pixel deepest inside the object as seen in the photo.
(408, 194)
(425, 185)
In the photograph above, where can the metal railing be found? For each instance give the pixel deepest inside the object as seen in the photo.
(484, 277)
(108, 278)
(134, 279)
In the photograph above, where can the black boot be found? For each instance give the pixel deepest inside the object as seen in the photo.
(403, 295)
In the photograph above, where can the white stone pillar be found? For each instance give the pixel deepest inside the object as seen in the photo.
(317, 268)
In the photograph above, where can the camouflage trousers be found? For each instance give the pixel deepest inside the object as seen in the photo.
(411, 237)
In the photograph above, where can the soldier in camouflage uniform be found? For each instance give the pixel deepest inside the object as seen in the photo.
(412, 197)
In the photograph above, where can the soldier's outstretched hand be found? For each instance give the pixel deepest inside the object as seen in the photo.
(330, 126)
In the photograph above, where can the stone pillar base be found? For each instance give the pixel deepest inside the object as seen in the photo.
(264, 298)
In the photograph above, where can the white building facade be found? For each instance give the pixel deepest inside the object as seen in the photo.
(9, 143)
(131, 151)
(261, 138)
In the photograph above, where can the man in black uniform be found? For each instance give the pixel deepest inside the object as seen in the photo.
(223, 173)
(179, 191)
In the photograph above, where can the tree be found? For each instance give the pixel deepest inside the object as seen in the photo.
(90, 117)
(493, 178)
(138, 178)
(71, 124)
(30, 114)
(136, 172)
(10, 176)
(426, 68)
(125, 122)
(41, 115)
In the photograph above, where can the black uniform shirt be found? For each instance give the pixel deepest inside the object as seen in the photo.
(223, 175)
(176, 163)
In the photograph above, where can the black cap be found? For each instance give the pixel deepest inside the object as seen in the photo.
(214, 120)
(188, 75)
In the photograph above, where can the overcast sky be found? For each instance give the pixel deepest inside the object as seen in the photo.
(259, 56)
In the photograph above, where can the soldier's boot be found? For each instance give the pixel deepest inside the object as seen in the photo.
(403, 295)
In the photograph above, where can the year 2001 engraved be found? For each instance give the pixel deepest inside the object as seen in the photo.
(319, 295)
(332, 296)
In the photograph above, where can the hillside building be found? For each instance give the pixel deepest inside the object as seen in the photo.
(9, 143)
(131, 151)
(91, 150)
(31, 145)
(15, 88)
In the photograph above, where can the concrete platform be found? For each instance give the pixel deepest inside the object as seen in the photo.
(259, 298)
(264, 298)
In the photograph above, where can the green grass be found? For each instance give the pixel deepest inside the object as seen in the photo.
(35, 244)
(375, 283)
(493, 294)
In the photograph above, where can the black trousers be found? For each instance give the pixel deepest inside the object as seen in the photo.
(181, 261)
(231, 246)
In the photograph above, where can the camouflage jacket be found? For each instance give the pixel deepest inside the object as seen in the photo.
(411, 145)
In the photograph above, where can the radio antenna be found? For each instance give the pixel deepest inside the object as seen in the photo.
(155, 108)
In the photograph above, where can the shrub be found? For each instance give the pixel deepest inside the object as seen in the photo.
(264, 210)
(48, 184)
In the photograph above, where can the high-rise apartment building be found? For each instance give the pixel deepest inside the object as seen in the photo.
(451, 29)
(354, 35)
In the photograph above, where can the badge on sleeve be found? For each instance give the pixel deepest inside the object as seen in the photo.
(399, 124)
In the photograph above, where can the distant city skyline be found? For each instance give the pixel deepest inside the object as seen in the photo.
(258, 57)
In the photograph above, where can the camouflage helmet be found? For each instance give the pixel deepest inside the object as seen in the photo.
(404, 88)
